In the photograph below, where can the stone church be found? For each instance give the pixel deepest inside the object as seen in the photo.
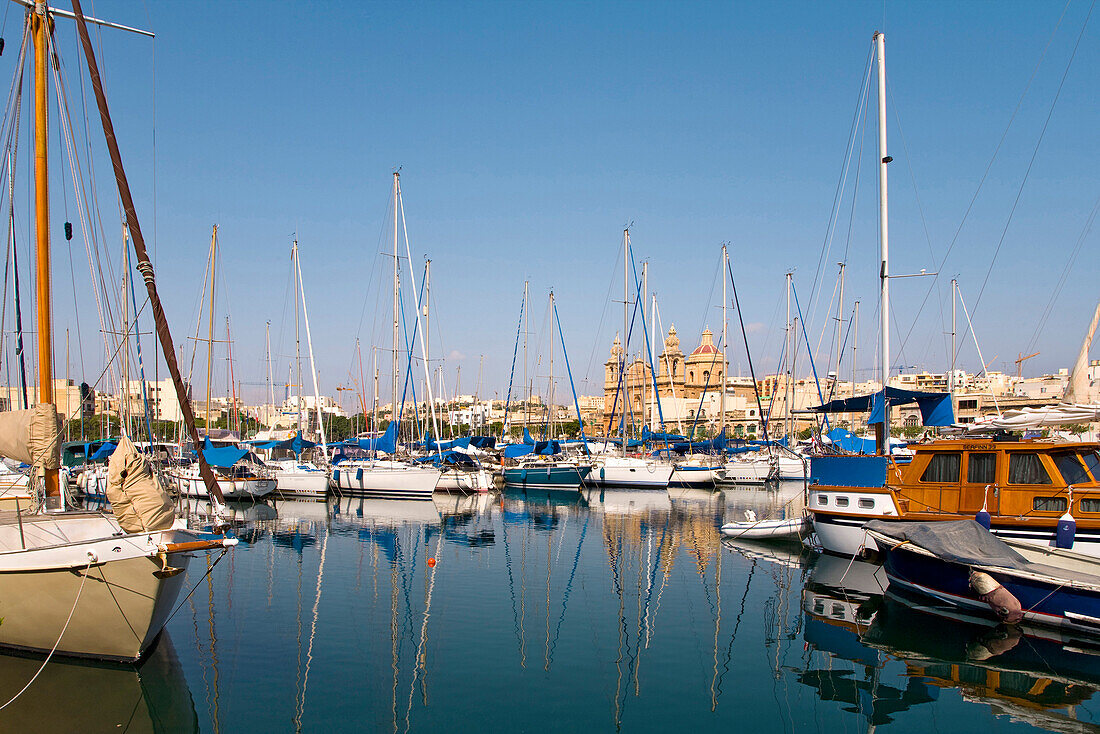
(678, 377)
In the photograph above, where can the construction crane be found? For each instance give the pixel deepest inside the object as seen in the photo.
(1021, 360)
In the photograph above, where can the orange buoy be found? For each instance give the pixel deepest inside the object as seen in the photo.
(431, 563)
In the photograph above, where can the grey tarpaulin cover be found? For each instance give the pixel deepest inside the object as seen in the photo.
(135, 495)
(31, 436)
(962, 541)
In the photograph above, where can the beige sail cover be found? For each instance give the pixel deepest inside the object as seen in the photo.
(32, 436)
(140, 505)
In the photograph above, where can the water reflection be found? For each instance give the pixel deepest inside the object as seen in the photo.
(150, 697)
(595, 610)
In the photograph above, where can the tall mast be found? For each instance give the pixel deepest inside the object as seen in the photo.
(722, 395)
(855, 348)
(645, 334)
(951, 375)
(787, 386)
(297, 336)
(526, 328)
(884, 241)
(270, 382)
(39, 28)
(396, 312)
(626, 332)
(312, 362)
(210, 327)
(550, 392)
(839, 325)
(427, 310)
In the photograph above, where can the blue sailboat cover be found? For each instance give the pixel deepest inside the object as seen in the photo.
(296, 444)
(935, 407)
(223, 457)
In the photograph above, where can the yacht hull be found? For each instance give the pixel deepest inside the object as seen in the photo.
(416, 483)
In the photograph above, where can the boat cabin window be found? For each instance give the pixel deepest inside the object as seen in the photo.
(1026, 469)
(981, 468)
(942, 468)
(1092, 461)
(822, 499)
(866, 503)
(841, 501)
(1070, 467)
(1090, 504)
(1049, 504)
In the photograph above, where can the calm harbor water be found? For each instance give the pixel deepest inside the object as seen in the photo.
(600, 611)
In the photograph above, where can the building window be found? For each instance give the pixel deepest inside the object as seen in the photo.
(1049, 504)
(691, 376)
(1026, 469)
(943, 468)
(911, 421)
(968, 405)
(706, 375)
(981, 468)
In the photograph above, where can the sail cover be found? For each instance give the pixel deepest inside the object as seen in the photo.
(139, 503)
(32, 436)
(935, 407)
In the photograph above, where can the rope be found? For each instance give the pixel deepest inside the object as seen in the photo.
(83, 578)
(208, 571)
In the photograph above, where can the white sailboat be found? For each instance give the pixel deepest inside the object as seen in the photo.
(85, 583)
(609, 470)
(294, 476)
(390, 477)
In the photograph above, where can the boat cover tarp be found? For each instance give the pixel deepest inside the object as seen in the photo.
(296, 444)
(483, 442)
(139, 503)
(542, 448)
(935, 407)
(433, 445)
(103, 452)
(448, 458)
(527, 438)
(386, 443)
(32, 436)
(956, 541)
(223, 457)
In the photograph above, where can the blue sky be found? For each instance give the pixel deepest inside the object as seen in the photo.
(529, 134)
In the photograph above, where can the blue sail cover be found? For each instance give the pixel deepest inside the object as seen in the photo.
(527, 437)
(296, 444)
(648, 435)
(387, 442)
(542, 448)
(448, 458)
(516, 450)
(103, 452)
(935, 407)
(483, 442)
(433, 445)
(224, 457)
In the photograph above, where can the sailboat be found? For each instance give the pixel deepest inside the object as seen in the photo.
(239, 472)
(544, 467)
(390, 477)
(609, 470)
(80, 583)
(294, 476)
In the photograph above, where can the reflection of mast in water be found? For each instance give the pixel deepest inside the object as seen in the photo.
(512, 588)
(300, 707)
(420, 672)
(568, 589)
(716, 689)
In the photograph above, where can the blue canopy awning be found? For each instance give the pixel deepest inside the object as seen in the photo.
(387, 442)
(935, 407)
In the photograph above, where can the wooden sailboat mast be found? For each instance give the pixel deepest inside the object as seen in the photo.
(40, 26)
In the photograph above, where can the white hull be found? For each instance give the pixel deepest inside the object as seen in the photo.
(615, 471)
(751, 471)
(386, 479)
(300, 480)
(122, 605)
(699, 477)
(790, 529)
(189, 484)
(792, 468)
(458, 480)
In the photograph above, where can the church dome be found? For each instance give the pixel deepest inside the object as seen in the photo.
(707, 345)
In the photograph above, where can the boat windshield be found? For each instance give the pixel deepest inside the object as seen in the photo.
(1071, 467)
(1092, 461)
